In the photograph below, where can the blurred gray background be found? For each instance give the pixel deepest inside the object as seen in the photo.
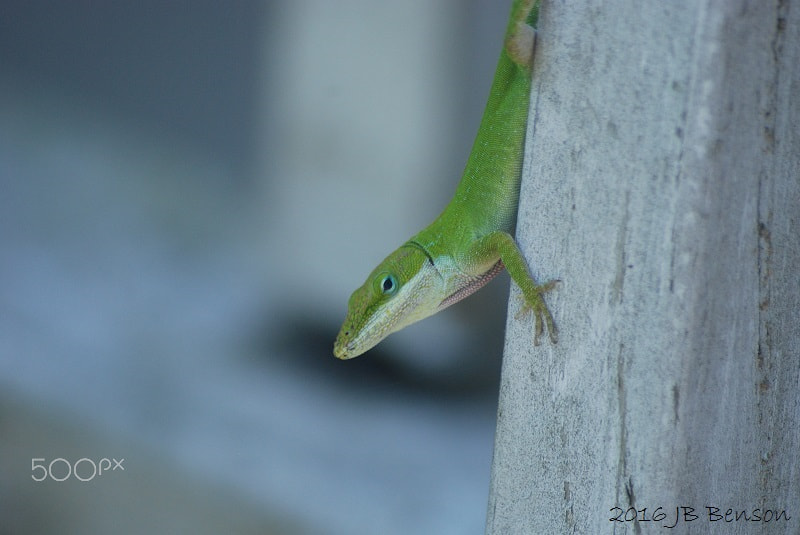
(189, 192)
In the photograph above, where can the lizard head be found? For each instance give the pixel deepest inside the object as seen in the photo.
(404, 288)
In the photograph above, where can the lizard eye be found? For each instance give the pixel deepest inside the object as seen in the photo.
(388, 284)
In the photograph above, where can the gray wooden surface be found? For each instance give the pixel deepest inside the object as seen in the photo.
(662, 186)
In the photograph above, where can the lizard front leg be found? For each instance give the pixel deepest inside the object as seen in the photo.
(502, 244)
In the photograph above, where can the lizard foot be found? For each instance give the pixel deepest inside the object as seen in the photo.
(541, 314)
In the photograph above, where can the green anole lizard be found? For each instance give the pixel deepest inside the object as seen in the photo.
(471, 241)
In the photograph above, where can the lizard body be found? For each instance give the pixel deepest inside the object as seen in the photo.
(471, 241)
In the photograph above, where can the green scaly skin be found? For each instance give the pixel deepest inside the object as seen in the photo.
(471, 241)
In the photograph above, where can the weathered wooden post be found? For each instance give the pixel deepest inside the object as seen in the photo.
(662, 185)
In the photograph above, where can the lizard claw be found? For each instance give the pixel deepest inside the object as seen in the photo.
(541, 314)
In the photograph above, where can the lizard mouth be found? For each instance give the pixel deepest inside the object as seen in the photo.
(342, 350)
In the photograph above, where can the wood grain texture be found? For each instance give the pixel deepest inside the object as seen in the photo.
(662, 186)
